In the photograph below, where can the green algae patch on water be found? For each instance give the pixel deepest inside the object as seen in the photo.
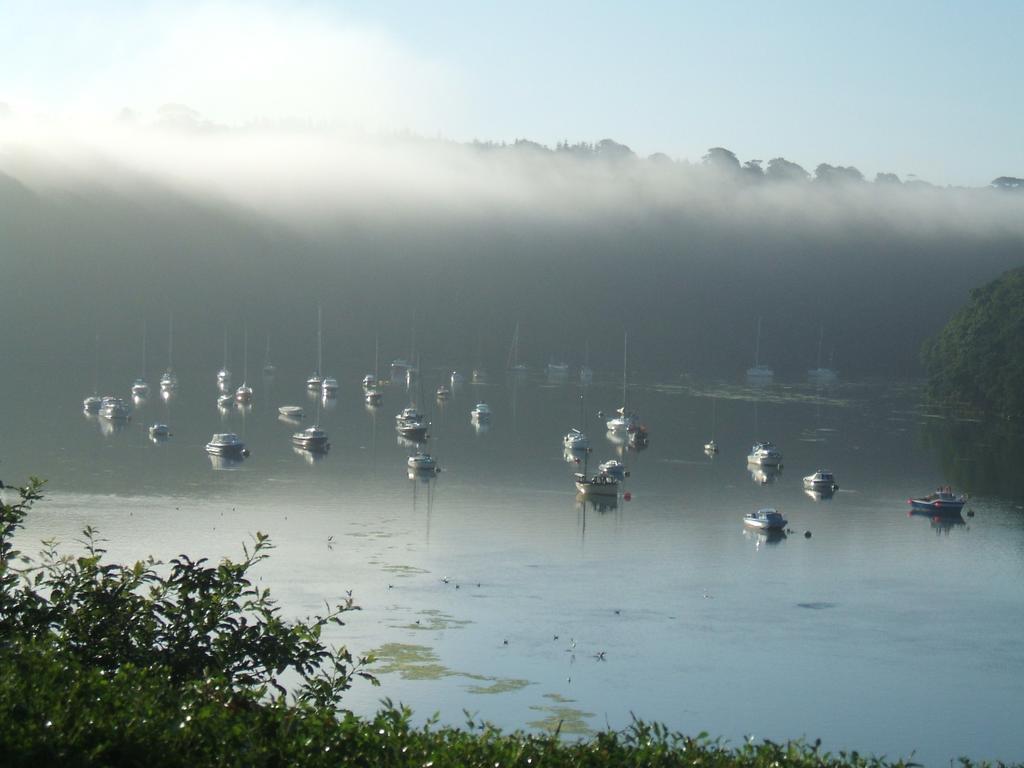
(497, 684)
(433, 621)
(561, 718)
(411, 662)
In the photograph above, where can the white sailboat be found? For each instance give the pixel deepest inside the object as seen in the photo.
(626, 421)
(759, 373)
(140, 388)
(169, 381)
(514, 366)
(269, 369)
(244, 393)
(316, 380)
(821, 376)
(224, 374)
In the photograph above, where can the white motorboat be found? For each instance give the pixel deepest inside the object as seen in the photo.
(443, 393)
(169, 381)
(422, 462)
(614, 468)
(226, 400)
(710, 447)
(409, 416)
(766, 519)
(481, 412)
(759, 373)
(115, 409)
(373, 397)
(140, 388)
(765, 454)
(291, 411)
(226, 444)
(159, 431)
(369, 381)
(92, 404)
(596, 485)
(822, 480)
(329, 386)
(311, 439)
(576, 440)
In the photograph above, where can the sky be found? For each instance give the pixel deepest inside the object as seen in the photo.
(923, 89)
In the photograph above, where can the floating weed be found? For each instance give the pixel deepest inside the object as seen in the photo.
(434, 620)
(498, 685)
(405, 571)
(561, 719)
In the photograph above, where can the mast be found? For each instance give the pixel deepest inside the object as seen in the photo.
(757, 346)
(821, 338)
(245, 355)
(376, 355)
(319, 340)
(170, 343)
(144, 350)
(625, 348)
(513, 353)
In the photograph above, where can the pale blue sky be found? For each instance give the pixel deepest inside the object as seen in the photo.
(926, 88)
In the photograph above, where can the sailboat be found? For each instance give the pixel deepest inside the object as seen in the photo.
(224, 374)
(94, 402)
(312, 438)
(514, 365)
(140, 388)
(760, 373)
(625, 421)
(169, 381)
(329, 385)
(269, 369)
(244, 393)
(576, 439)
(711, 447)
(316, 380)
(821, 376)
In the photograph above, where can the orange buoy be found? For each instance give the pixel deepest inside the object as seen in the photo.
(627, 496)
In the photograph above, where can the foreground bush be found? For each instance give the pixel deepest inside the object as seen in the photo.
(104, 664)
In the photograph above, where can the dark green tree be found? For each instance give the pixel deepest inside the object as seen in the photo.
(978, 358)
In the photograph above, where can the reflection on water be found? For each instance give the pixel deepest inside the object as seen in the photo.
(225, 462)
(763, 475)
(819, 495)
(940, 523)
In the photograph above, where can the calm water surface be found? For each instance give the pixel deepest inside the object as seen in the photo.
(492, 589)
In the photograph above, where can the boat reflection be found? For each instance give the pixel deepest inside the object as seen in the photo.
(480, 427)
(410, 442)
(940, 523)
(221, 462)
(601, 504)
(825, 495)
(110, 427)
(763, 475)
(310, 457)
(574, 456)
(763, 537)
(290, 420)
(168, 394)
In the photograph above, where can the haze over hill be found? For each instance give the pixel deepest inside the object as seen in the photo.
(107, 226)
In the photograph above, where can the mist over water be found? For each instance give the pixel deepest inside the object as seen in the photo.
(254, 228)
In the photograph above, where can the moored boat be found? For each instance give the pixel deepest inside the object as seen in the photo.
(767, 519)
(822, 481)
(291, 411)
(942, 500)
(226, 444)
(422, 462)
(481, 412)
(765, 454)
(576, 440)
(311, 439)
(600, 484)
